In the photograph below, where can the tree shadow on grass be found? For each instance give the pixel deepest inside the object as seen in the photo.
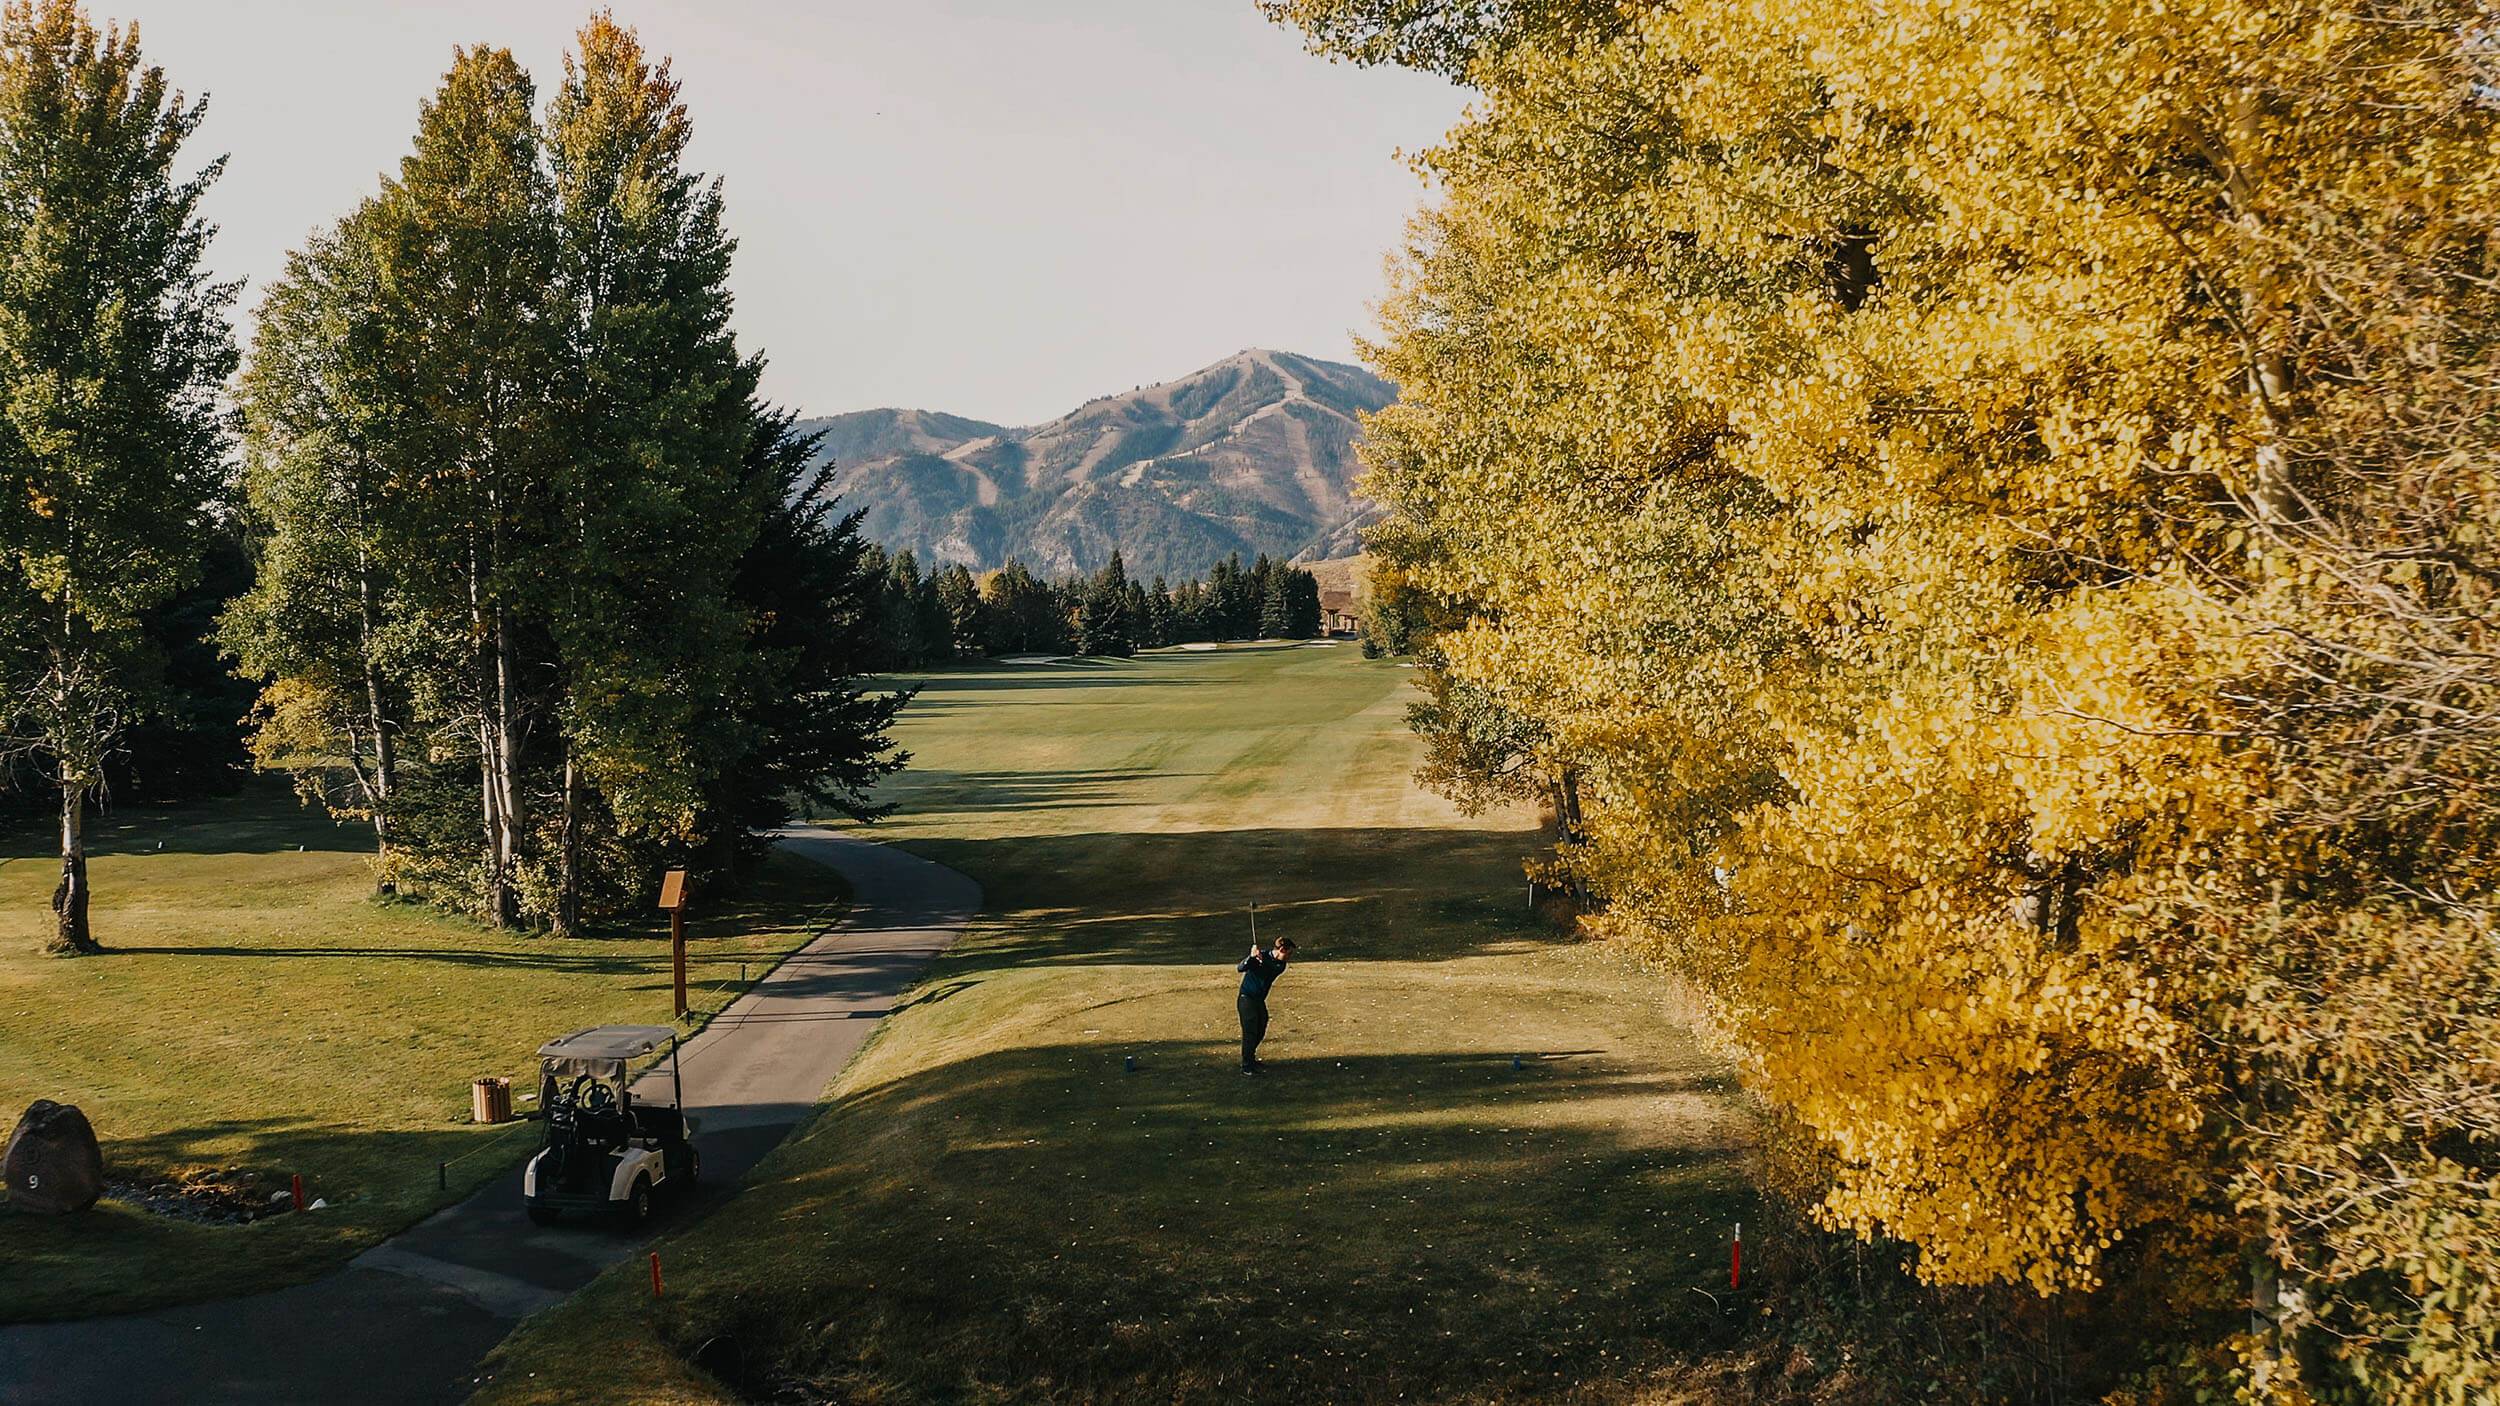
(790, 899)
(1035, 1223)
(1153, 669)
(1183, 897)
(962, 792)
(583, 964)
(264, 817)
(1043, 678)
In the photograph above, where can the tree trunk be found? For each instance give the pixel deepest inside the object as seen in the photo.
(2273, 1310)
(489, 821)
(2269, 370)
(493, 733)
(569, 853)
(1567, 823)
(1567, 805)
(506, 779)
(385, 749)
(69, 900)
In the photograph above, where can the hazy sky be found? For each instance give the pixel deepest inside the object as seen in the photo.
(993, 207)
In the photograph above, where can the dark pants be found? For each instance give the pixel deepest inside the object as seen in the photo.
(1253, 1028)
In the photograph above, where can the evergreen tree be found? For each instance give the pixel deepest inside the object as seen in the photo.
(191, 744)
(1301, 591)
(877, 569)
(1099, 612)
(1023, 612)
(1162, 624)
(1275, 605)
(937, 626)
(959, 598)
(1050, 613)
(1269, 614)
(1089, 630)
(1232, 609)
(1189, 613)
(906, 642)
(1102, 620)
(1067, 599)
(113, 347)
(1212, 602)
(813, 731)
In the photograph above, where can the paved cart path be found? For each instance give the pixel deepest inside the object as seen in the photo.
(408, 1320)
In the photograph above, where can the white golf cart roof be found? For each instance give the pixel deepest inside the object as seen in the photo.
(609, 1042)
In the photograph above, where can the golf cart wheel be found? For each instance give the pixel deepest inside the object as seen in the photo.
(544, 1215)
(638, 1205)
(694, 1168)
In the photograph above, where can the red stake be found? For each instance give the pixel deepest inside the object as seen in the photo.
(1736, 1257)
(297, 1187)
(655, 1274)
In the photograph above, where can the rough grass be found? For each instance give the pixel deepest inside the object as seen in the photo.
(257, 1008)
(994, 1208)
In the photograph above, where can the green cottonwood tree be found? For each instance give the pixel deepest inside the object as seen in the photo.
(653, 511)
(473, 319)
(321, 403)
(513, 494)
(112, 346)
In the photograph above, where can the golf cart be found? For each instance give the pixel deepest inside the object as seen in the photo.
(606, 1150)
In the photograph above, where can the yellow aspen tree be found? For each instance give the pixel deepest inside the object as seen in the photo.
(1993, 502)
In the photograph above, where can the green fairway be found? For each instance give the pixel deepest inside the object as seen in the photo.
(995, 1207)
(257, 1009)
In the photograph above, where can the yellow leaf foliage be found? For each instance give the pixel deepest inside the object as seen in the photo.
(1992, 505)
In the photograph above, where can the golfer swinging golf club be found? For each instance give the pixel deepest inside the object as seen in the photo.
(1258, 971)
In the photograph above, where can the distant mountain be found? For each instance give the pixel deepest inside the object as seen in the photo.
(1253, 454)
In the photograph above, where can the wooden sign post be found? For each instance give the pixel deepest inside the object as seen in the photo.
(673, 899)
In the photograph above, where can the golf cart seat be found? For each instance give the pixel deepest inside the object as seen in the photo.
(658, 1120)
(607, 1128)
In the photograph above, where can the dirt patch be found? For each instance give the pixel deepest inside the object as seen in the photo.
(209, 1195)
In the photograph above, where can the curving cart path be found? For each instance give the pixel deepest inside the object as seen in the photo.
(409, 1319)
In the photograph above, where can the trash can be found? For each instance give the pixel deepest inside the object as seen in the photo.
(490, 1100)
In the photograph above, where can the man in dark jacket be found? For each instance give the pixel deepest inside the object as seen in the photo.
(1258, 971)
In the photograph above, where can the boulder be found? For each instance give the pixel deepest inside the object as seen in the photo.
(53, 1165)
